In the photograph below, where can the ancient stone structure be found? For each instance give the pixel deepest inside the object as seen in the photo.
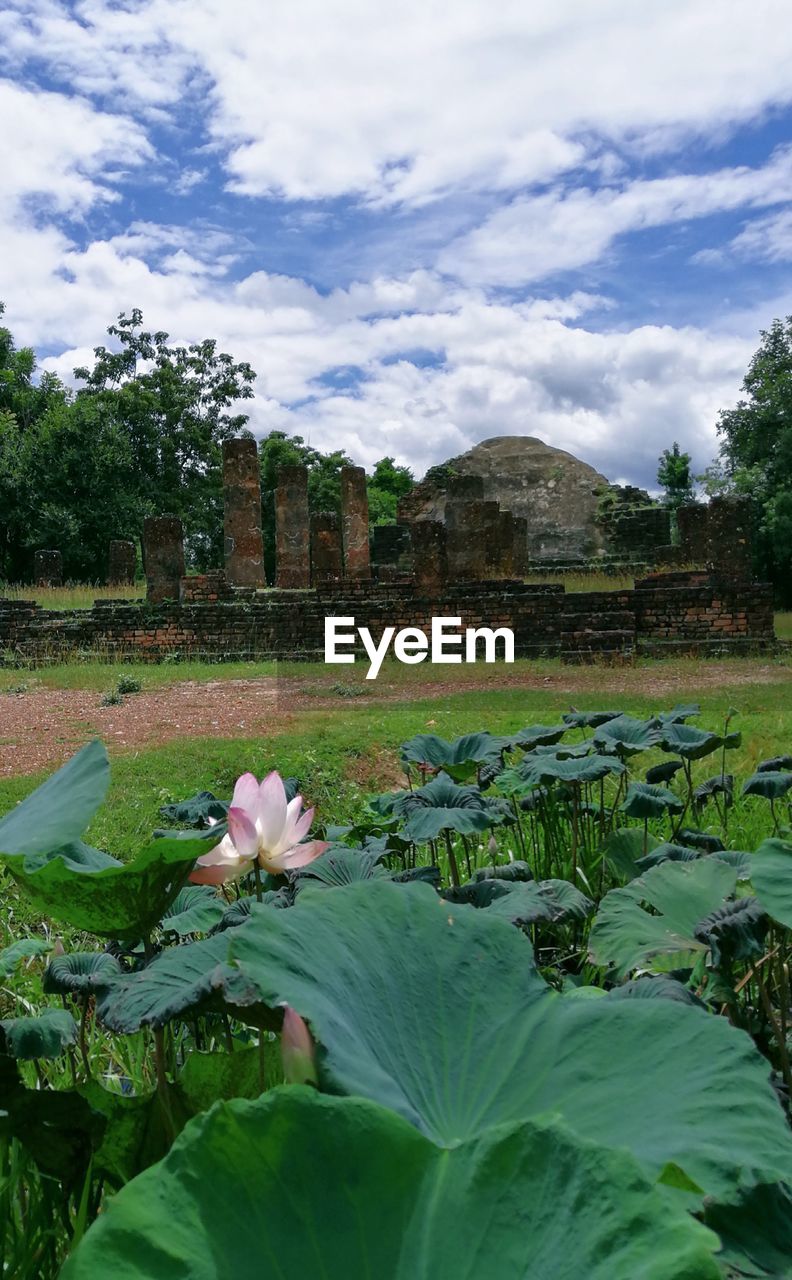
(665, 613)
(163, 557)
(430, 558)
(718, 534)
(244, 548)
(326, 557)
(121, 563)
(555, 493)
(292, 529)
(391, 551)
(48, 568)
(355, 523)
(730, 536)
(692, 527)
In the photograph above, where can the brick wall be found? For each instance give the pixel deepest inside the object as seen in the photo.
(664, 613)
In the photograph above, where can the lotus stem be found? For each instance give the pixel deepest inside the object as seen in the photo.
(257, 878)
(162, 1083)
(83, 1023)
(771, 1018)
(452, 862)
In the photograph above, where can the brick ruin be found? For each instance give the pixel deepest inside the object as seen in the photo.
(470, 564)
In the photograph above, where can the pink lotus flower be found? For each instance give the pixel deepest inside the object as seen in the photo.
(263, 827)
(298, 1053)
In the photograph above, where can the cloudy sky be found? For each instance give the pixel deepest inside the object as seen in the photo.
(423, 224)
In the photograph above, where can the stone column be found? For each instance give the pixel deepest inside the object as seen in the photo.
(692, 521)
(48, 568)
(292, 529)
(505, 559)
(121, 563)
(430, 559)
(163, 557)
(355, 523)
(520, 563)
(326, 561)
(730, 537)
(244, 548)
(461, 493)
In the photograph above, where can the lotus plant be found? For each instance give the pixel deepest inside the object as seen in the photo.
(264, 830)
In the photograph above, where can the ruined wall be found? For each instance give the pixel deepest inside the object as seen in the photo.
(695, 613)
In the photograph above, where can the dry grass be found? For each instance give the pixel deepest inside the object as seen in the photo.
(74, 595)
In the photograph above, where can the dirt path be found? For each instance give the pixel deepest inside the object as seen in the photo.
(42, 727)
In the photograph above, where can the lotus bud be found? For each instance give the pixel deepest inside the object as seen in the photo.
(59, 949)
(298, 1052)
(492, 848)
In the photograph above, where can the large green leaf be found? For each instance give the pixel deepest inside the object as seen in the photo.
(689, 742)
(300, 1185)
(342, 866)
(125, 900)
(524, 903)
(772, 786)
(771, 876)
(459, 759)
(584, 769)
(441, 806)
(437, 1012)
(80, 973)
(60, 809)
(22, 949)
(47, 1035)
(193, 977)
(195, 909)
(647, 800)
(626, 736)
(245, 1073)
(657, 915)
(58, 1127)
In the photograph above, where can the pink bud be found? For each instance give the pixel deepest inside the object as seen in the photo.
(298, 1052)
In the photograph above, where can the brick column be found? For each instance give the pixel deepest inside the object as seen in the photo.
(520, 560)
(505, 544)
(292, 529)
(244, 548)
(692, 520)
(730, 537)
(355, 523)
(163, 557)
(326, 561)
(462, 491)
(430, 559)
(48, 568)
(121, 562)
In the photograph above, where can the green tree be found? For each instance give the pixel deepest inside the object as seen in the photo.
(387, 483)
(174, 407)
(756, 449)
(673, 474)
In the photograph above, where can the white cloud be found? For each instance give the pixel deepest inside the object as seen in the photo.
(535, 237)
(405, 102)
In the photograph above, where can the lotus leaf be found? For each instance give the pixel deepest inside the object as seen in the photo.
(491, 1044)
(626, 736)
(460, 758)
(46, 1036)
(195, 909)
(80, 973)
(441, 806)
(679, 895)
(771, 876)
(643, 800)
(58, 811)
(358, 1192)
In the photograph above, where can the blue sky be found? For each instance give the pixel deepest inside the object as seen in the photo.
(422, 225)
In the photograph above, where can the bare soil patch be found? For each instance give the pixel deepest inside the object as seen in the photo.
(42, 727)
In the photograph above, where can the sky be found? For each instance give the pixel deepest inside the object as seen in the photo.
(422, 224)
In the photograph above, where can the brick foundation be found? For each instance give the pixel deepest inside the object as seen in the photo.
(664, 614)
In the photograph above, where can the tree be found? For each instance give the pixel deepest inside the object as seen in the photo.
(756, 448)
(387, 483)
(673, 474)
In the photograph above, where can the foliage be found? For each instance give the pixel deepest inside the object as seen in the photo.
(673, 475)
(756, 448)
(578, 1098)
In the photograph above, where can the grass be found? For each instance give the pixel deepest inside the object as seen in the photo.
(344, 752)
(783, 626)
(73, 595)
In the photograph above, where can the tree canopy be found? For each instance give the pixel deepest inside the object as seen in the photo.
(141, 435)
(756, 451)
